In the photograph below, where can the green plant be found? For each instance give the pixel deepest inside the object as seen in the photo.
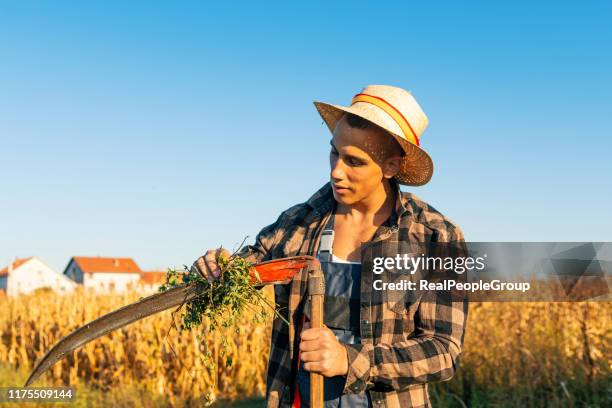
(221, 303)
(224, 300)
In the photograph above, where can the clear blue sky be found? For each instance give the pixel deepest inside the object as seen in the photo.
(156, 131)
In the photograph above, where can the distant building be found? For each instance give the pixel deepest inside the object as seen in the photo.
(104, 274)
(150, 281)
(28, 274)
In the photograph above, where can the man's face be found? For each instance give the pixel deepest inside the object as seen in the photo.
(358, 163)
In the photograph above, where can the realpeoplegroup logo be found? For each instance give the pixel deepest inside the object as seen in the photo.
(451, 284)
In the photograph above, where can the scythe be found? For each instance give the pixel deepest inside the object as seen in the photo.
(279, 271)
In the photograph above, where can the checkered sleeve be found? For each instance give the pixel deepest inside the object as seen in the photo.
(431, 354)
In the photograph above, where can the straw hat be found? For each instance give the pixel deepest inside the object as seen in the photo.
(396, 111)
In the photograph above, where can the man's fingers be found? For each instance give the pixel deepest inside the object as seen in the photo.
(315, 333)
(309, 345)
(208, 264)
(210, 259)
(310, 356)
(317, 355)
(315, 339)
(315, 367)
(310, 334)
(200, 266)
(312, 366)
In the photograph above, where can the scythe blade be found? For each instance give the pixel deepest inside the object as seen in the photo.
(113, 321)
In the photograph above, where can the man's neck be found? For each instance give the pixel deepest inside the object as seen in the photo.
(375, 209)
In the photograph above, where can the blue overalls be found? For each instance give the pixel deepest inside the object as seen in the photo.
(341, 315)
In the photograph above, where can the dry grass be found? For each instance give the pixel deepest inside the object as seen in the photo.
(527, 354)
(534, 355)
(141, 354)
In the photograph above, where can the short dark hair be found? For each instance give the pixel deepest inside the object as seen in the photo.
(358, 122)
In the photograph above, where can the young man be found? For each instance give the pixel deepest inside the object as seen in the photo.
(376, 349)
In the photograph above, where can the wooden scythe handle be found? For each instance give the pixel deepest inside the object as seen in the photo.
(316, 291)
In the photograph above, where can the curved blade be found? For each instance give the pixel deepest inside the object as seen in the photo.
(265, 273)
(121, 317)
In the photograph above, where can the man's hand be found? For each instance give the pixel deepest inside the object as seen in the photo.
(322, 353)
(207, 265)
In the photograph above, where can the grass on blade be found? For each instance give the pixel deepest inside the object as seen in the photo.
(221, 304)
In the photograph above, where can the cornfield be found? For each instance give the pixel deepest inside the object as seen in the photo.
(152, 352)
(515, 354)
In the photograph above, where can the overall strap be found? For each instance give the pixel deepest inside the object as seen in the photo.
(327, 241)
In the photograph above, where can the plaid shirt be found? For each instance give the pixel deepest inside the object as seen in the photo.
(406, 342)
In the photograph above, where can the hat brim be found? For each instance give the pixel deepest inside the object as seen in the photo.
(417, 166)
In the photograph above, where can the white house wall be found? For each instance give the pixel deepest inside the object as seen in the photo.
(106, 282)
(35, 274)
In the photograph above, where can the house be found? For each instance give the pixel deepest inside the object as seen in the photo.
(150, 281)
(28, 274)
(104, 274)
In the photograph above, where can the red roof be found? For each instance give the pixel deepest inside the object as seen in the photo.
(151, 277)
(98, 264)
(16, 264)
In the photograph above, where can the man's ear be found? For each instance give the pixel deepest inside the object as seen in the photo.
(392, 166)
